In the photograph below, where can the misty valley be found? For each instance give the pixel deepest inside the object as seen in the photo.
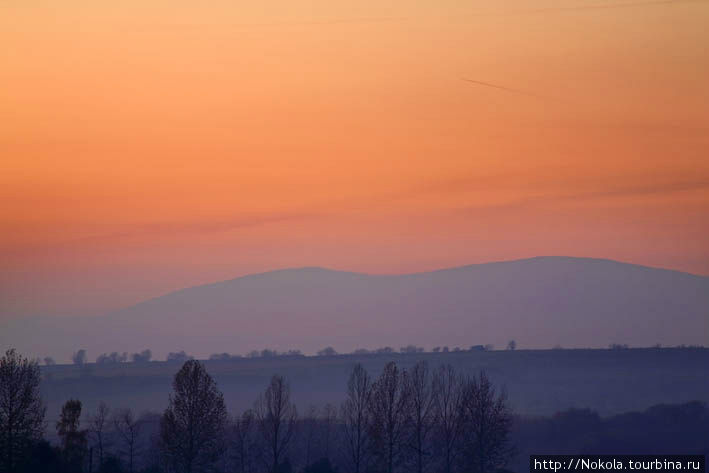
(473, 410)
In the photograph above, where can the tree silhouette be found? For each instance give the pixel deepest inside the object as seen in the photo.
(329, 419)
(389, 410)
(178, 356)
(409, 349)
(276, 417)
(128, 429)
(244, 443)
(327, 351)
(142, 357)
(192, 427)
(97, 428)
(73, 440)
(21, 409)
(308, 430)
(422, 401)
(113, 357)
(448, 408)
(79, 358)
(488, 420)
(354, 413)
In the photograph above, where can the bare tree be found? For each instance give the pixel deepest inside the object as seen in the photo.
(310, 422)
(488, 419)
(73, 439)
(192, 427)
(69, 420)
(98, 424)
(276, 417)
(389, 409)
(422, 402)
(244, 444)
(21, 408)
(448, 409)
(329, 420)
(128, 429)
(354, 414)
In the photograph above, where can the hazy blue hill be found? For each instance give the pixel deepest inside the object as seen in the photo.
(540, 302)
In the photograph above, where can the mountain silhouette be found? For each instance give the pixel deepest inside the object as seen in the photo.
(540, 302)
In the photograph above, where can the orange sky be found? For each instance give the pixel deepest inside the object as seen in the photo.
(150, 145)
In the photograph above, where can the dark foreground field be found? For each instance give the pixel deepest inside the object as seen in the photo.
(538, 382)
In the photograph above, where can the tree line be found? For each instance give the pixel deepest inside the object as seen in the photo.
(80, 357)
(416, 420)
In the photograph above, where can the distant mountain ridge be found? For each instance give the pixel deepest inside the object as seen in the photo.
(539, 302)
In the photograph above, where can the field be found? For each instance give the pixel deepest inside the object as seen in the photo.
(538, 382)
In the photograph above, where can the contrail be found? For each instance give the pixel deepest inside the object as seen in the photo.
(275, 24)
(599, 6)
(607, 6)
(508, 89)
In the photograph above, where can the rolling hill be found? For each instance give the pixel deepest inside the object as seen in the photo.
(539, 302)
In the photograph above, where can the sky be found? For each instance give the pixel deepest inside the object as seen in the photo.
(151, 145)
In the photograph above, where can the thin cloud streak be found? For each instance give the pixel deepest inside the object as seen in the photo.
(571, 9)
(168, 228)
(193, 227)
(608, 6)
(645, 190)
(507, 89)
(274, 24)
(668, 188)
(528, 190)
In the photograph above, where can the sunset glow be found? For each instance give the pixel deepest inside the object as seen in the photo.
(151, 145)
